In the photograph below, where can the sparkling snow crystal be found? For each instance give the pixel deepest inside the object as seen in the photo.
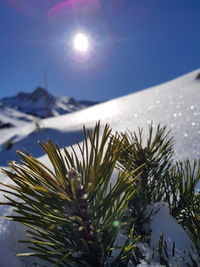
(175, 104)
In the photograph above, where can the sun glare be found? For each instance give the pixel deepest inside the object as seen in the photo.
(81, 42)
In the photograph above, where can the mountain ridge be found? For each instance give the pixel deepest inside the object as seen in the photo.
(39, 103)
(174, 104)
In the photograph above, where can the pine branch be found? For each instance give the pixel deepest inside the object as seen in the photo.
(74, 211)
(70, 211)
(155, 156)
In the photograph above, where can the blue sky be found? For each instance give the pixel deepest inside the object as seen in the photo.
(135, 45)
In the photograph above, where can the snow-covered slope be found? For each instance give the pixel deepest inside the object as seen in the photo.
(10, 117)
(42, 104)
(175, 104)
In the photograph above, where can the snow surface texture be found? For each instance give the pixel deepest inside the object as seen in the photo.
(162, 222)
(175, 104)
(14, 117)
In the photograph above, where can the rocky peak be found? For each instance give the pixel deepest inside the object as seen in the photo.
(42, 104)
(41, 93)
(38, 93)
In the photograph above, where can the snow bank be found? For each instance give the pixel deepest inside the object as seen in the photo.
(175, 104)
(162, 222)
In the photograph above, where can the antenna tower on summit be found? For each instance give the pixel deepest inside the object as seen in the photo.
(45, 80)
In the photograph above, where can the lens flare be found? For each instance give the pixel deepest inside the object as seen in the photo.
(116, 224)
(86, 7)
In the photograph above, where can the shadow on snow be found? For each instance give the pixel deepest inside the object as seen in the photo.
(30, 143)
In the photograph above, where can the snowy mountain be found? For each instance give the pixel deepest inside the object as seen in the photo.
(175, 104)
(39, 103)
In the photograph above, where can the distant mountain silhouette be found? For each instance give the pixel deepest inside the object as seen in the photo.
(42, 104)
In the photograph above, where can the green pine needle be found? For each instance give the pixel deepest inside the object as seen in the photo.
(74, 212)
(70, 211)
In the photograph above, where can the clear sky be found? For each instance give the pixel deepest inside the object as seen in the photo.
(133, 45)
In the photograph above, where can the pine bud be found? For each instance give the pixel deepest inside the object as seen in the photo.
(75, 181)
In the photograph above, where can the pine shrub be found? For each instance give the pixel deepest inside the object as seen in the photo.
(88, 207)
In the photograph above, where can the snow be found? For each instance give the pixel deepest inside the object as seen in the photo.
(152, 264)
(41, 103)
(15, 117)
(175, 104)
(162, 222)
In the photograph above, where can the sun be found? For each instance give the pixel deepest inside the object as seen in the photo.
(81, 42)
